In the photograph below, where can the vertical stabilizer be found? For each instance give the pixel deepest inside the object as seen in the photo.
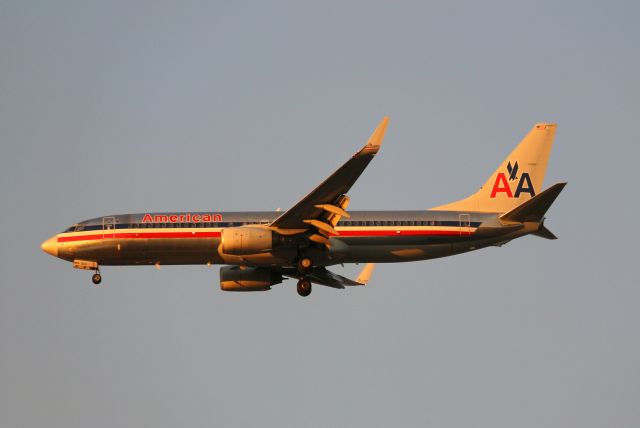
(518, 179)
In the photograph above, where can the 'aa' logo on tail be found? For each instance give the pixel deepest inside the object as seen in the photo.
(501, 184)
(513, 171)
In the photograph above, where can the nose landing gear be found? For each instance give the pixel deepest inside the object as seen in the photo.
(96, 278)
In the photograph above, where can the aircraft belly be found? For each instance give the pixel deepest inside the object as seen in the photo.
(145, 251)
(396, 253)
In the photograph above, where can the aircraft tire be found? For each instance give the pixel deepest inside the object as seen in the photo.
(96, 278)
(304, 287)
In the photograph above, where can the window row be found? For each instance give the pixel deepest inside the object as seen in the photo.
(349, 223)
(394, 223)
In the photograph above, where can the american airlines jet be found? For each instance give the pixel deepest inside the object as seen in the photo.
(261, 249)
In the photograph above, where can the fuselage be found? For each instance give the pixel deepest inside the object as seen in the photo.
(194, 238)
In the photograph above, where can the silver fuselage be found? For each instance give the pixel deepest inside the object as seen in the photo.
(367, 236)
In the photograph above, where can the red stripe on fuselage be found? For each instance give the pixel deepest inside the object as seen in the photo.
(185, 235)
(139, 235)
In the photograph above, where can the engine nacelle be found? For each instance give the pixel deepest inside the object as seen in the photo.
(240, 241)
(234, 278)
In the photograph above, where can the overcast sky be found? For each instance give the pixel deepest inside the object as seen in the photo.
(121, 106)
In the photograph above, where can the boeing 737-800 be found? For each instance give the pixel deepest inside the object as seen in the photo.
(260, 249)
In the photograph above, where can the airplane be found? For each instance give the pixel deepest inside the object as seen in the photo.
(262, 249)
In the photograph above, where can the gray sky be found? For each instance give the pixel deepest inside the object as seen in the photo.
(115, 107)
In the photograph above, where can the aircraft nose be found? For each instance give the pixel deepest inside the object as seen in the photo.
(50, 246)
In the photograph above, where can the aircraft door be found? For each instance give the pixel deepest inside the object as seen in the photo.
(465, 224)
(108, 227)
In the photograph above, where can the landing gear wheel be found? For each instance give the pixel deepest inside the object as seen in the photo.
(305, 264)
(96, 278)
(304, 287)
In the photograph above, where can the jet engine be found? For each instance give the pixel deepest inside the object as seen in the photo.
(235, 278)
(240, 241)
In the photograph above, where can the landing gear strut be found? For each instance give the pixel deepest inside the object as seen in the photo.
(305, 264)
(96, 278)
(304, 287)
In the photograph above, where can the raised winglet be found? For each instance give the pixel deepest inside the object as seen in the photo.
(365, 275)
(375, 141)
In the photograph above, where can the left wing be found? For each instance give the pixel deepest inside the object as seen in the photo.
(328, 201)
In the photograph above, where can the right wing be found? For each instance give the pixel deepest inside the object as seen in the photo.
(325, 277)
(329, 199)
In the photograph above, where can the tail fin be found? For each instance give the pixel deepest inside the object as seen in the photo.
(518, 179)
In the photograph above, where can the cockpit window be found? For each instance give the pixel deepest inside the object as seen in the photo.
(75, 228)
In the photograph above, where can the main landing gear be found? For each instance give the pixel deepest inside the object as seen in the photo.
(304, 287)
(305, 264)
(96, 278)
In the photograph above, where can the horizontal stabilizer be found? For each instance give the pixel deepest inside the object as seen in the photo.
(535, 208)
(545, 233)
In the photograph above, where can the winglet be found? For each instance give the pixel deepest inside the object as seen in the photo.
(365, 275)
(376, 138)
